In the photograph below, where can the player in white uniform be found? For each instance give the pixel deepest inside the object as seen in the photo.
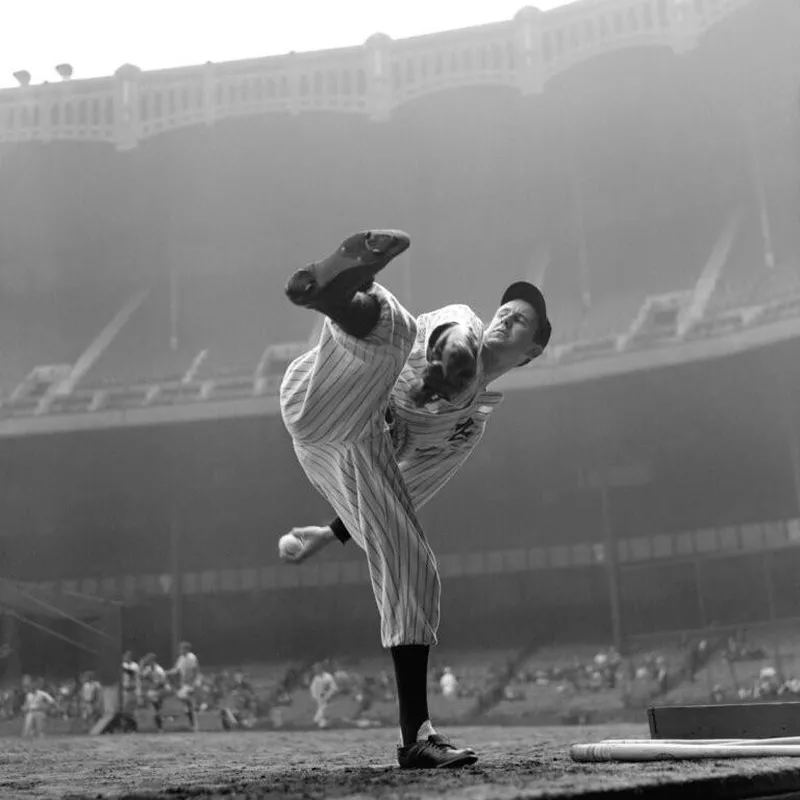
(37, 703)
(131, 685)
(154, 686)
(187, 667)
(322, 688)
(382, 413)
(91, 698)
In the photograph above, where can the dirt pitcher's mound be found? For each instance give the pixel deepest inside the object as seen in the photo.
(514, 763)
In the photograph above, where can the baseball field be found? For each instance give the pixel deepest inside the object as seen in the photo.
(515, 763)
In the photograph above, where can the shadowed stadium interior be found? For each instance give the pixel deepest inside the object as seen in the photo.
(627, 533)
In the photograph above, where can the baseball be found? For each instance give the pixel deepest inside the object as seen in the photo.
(289, 546)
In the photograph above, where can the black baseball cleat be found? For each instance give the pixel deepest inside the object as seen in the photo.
(435, 752)
(351, 268)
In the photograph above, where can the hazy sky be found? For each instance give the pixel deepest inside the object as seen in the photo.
(97, 36)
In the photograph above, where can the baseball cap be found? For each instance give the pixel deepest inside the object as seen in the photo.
(522, 290)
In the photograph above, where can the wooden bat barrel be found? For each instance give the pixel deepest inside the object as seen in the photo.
(634, 751)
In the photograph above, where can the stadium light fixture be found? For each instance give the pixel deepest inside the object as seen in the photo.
(65, 71)
(23, 77)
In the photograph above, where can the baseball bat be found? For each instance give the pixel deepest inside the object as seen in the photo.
(774, 740)
(676, 751)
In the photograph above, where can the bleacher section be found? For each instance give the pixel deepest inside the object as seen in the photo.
(51, 328)
(475, 670)
(554, 684)
(201, 337)
(559, 683)
(752, 277)
(223, 325)
(735, 678)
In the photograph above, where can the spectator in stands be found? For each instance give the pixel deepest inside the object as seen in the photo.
(512, 694)
(219, 686)
(738, 649)
(697, 657)
(68, 700)
(365, 697)
(662, 675)
(322, 688)
(18, 694)
(449, 684)
(386, 683)
(790, 686)
(239, 704)
(718, 694)
(37, 703)
(345, 681)
(767, 684)
(597, 680)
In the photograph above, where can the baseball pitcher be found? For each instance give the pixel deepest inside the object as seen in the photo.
(382, 412)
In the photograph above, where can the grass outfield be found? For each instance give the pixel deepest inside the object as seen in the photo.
(515, 763)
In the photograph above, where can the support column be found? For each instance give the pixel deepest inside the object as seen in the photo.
(612, 570)
(171, 247)
(10, 666)
(127, 86)
(766, 564)
(173, 308)
(577, 202)
(701, 603)
(110, 656)
(757, 178)
(176, 584)
(791, 439)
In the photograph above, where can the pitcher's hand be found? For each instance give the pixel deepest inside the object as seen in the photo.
(313, 538)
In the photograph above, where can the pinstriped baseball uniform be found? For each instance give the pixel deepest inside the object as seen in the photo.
(376, 457)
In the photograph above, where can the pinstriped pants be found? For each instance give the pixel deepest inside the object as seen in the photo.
(333, 402)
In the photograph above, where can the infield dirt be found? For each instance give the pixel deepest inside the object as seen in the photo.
(514, 763)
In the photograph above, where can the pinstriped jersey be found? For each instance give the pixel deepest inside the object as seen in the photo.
(337, 402)
(440, 425)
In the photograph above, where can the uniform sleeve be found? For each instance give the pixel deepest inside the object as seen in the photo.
(339, 530)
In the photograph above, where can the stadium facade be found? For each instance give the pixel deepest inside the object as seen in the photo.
(640, 159)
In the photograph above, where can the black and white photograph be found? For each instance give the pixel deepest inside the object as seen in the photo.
(400, 400)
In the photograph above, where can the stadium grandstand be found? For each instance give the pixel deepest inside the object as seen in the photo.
(640, 160)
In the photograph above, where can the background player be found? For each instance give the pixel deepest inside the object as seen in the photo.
(382, 413)
(131, 685)
(187, 668)
(37, 704)
(323, 687)
(154, 686)
(91, 698)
